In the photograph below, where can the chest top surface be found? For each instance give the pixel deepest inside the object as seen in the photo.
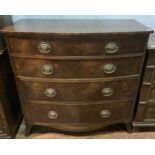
(75, 27)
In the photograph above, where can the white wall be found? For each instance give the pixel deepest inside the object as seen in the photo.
(146, 20)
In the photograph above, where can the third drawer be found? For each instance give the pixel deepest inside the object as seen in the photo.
(79, 91)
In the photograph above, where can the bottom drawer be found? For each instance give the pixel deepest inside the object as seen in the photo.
(78, 113)
(145, 112)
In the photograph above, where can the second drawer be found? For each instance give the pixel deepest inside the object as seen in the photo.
(79, 91)
(77, 68)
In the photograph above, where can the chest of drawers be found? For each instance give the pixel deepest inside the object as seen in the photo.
(145, 114)
(77, 75)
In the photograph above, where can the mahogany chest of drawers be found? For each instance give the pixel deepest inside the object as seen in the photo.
(77, 75)
(10, 111)
(145, 114)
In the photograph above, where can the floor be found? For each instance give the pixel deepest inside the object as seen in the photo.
(112, 132)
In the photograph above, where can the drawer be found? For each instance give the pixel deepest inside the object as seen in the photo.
(77, 68)
(78, 91)
(147, 93)
(145, 112)
(52, 112)
(110, 45)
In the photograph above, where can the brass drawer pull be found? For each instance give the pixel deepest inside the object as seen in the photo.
(111, 47)
(52, 114)
(109, 68)
(50, 92)
(47, 69)
(107, 91)
(44, 47)
(105, 113)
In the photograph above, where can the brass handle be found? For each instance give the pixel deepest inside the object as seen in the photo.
(111, 47)
(109, 68)
(47, 69)
(107, 91)
(50, 92)
(105, 113)
(44, 47)
(52, 114)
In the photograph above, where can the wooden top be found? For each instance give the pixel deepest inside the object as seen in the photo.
(75, 27)
(151, 42)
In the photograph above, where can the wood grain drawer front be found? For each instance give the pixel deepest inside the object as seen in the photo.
(77, 46)
(77, 68)
(78, 113)
(145, 112)
(79, 91)
(147, 93)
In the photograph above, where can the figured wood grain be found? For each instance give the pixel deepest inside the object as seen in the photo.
(78, 46)
(77, 113)
(76, 68)
(78, 90)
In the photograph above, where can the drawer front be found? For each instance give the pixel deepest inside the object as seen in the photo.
(79, 91)
(145, 112)
(78, 113)
(77, 68)
(78, 46)
(147, 93)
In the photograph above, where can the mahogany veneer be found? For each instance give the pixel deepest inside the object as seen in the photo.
(77, 75)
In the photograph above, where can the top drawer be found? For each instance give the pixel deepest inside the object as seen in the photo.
(77, 46)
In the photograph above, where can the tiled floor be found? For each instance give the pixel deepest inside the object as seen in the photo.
(113, 132)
